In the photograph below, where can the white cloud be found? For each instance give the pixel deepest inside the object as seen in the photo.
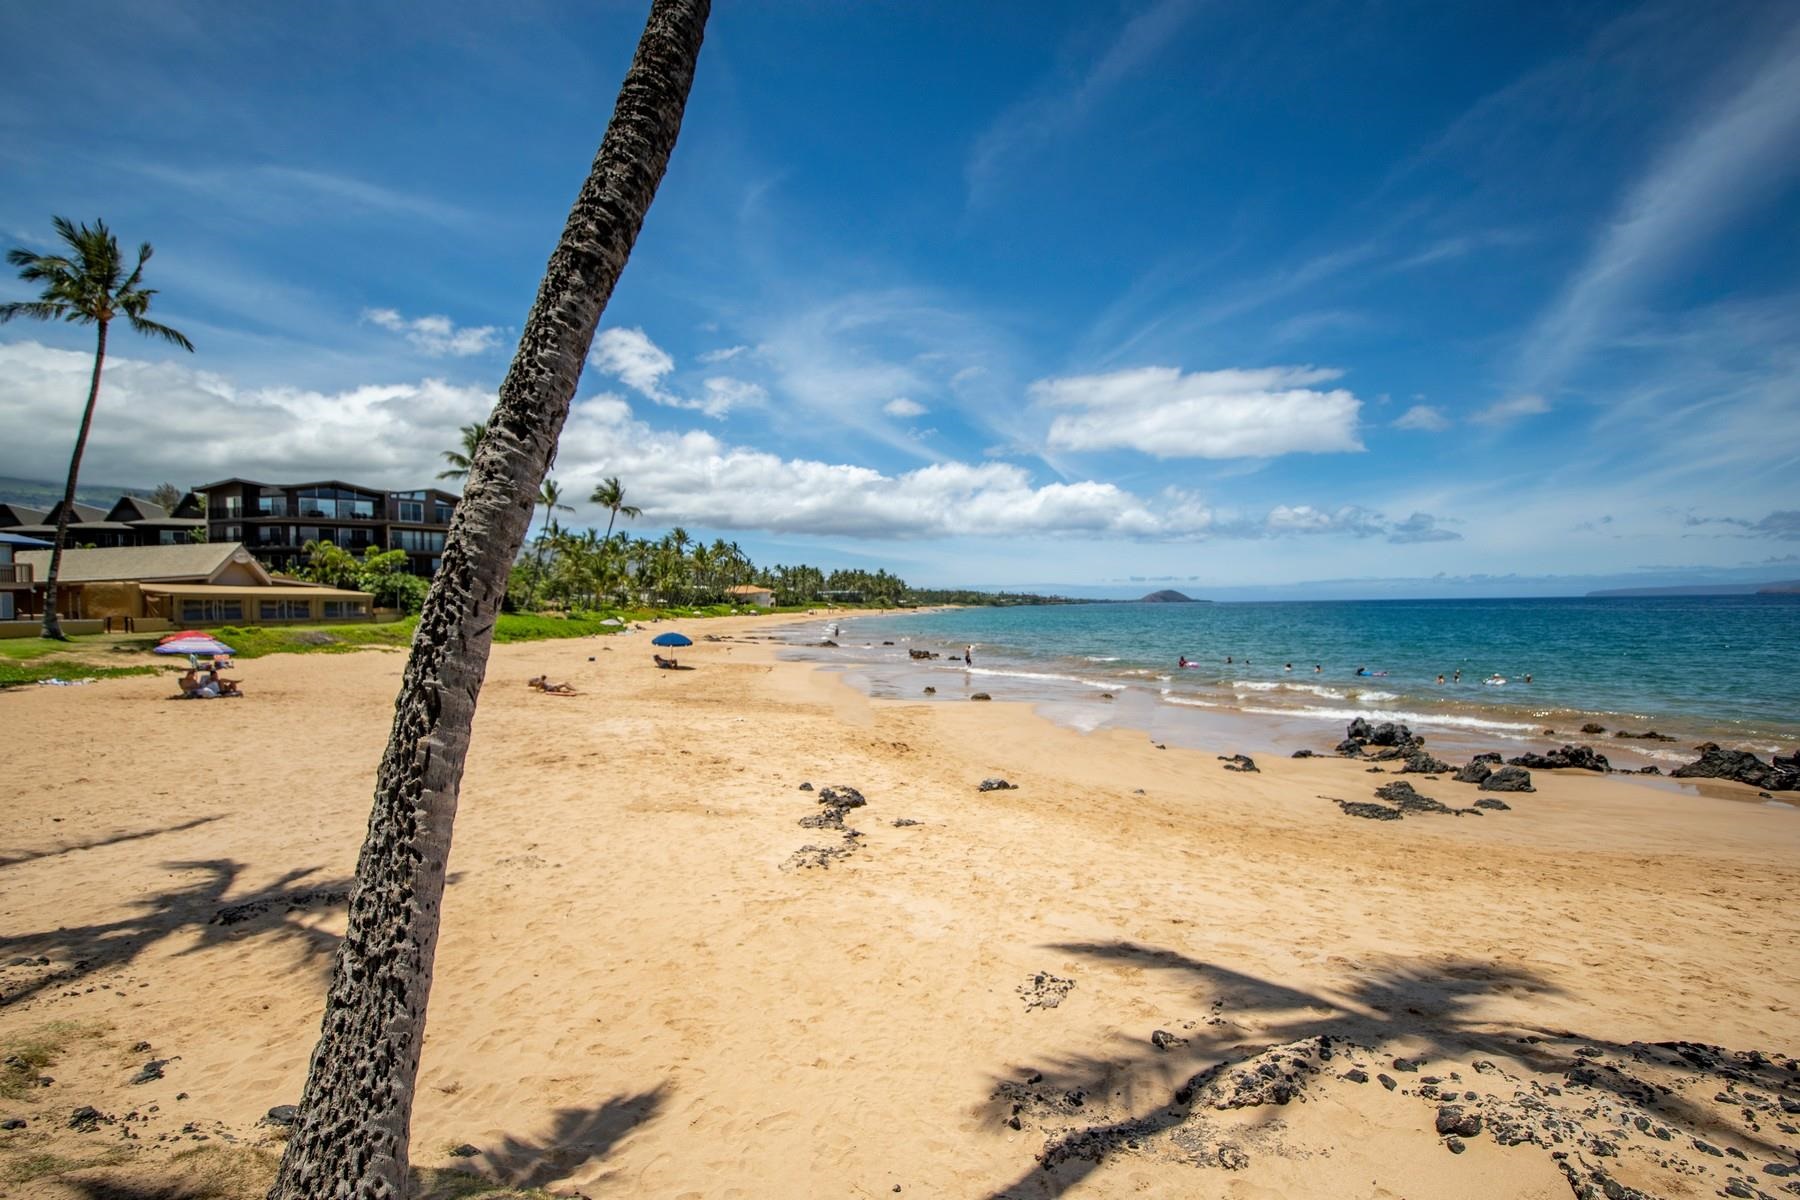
(640, 364)
(1502, 411)
(901, 407)
(168, 421)
(1421, 527)
(1423, 417)
(1202, 414)
(725, 354)
(437, 336)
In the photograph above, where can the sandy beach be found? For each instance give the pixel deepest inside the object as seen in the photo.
(1133, 973)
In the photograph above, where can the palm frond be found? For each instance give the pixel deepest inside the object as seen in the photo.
(39, 310)
(156, 329)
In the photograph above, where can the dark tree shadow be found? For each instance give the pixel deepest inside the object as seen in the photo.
(199, 908)
(113, 840)
(577, 1136)
(1428, 1005)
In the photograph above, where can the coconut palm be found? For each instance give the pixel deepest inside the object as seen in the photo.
(86, 286)
(459, 460)
(610, 495)
(350, 1135)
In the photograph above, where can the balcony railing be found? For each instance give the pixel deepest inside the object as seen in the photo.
(15, 572)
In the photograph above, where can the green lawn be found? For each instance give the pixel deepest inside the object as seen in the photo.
(104, 656)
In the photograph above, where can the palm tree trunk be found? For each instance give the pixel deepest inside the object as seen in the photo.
(52, 626)
(351, 1134)
(609, 523)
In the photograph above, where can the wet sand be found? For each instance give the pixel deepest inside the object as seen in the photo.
(644, 989)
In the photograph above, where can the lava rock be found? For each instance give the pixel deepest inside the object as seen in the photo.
(981, 696)
(1419, 762)
(931, 691)
(1508, 779)
(1496, 805)
(1591, 727)
(1455, 1145)
(1356, 1075)
(1359, 728)
(464, 1151)
(806, 787)
(1402, 795)
(1580, 758)
(1240, 762)
(1741, 766)
(1362, 808)
(1474, 772)
(1386, 1081)
(1162, 1039)
(904, 822)
(151, 1071)
(1349, 747)
(1301, 754)
(1649, 735)
(1389, 734)
(282, 1114)
(86, 1119)
(1232, 1158)
(842, 797)
(996, 784)
(13, 1123)
(1453, 1119)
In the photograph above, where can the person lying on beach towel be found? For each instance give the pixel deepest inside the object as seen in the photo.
(220, 684)
(542, 684)
(667, 664)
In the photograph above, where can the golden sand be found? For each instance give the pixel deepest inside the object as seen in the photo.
(641, 993)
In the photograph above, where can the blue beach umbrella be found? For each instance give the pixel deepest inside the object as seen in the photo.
(671, 639)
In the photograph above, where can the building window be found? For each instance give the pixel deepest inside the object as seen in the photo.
(418, 541)
(286, 610)
(346, 608)
(231, 508)
(410, 510)
(211, 610)
(272, 503)
(441, 512)
(234, 533)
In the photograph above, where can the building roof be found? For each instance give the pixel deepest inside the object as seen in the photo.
(19, 514)
(19, 539)
(744, 589)
(135, 508)
(198, 561)
(79, 513)
(355, 487)
(261, 593)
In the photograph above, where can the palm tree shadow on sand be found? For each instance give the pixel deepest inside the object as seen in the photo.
(200, 908)
(1169, 1092)
(577, 1136)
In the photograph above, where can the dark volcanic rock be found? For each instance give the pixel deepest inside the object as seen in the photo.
(1741, 766)
(825, 818)
(842, 797)
(1496, 805)
(1789, 762)
(1362, 808)
(1389, 734)
(1349, 747)
(282, 1114)
(1649, 735)
(1420, 762)
(1453, 1120)
(464, 1151)
(1045, 990)
(1240, 762)
(1591, 727)
(1491, 757)
(86, 1119)
(806, 787)
(981, 696)
(1474, 772)
(1508, 779)
(13, 1123)
(1581, 758)
(151, 1071)
(1162, 1039)
(1359, 728)
(996, 784)
(1408, 800)
(1301, 754)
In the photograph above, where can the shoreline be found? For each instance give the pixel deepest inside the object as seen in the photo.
(642, 988)
(1241, 715)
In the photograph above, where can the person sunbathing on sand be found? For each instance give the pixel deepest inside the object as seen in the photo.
(542, 684)
(667, 664)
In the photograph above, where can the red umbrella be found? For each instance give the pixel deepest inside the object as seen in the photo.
(186, 633)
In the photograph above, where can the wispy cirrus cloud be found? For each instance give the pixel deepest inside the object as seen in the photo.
(1503, 412)
(1065, 102)
(292, 194)
(1725, 162)
(640, 364)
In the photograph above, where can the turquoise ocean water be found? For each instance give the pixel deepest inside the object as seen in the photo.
(1720, 668)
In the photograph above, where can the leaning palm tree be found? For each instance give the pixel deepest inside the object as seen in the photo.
(350, 1135)
(459, 460)
(610, 495)
(86, 286)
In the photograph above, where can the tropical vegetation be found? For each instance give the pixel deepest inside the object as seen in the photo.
(88, 285)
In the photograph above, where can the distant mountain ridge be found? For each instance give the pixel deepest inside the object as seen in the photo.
(1169, 596)
(1772, 588)
(37, 493)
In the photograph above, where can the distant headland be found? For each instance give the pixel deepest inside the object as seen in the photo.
(1168, 596)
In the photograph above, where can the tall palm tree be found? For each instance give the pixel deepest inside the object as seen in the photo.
(459, 460)
(610, 495)
(86, 286)
(350, 1136)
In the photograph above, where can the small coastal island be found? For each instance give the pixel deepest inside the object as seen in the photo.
(1169, 596)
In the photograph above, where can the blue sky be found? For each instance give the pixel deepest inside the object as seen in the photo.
(1407, 298)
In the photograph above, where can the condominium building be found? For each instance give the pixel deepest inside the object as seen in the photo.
(131, 521)
(276, 520)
